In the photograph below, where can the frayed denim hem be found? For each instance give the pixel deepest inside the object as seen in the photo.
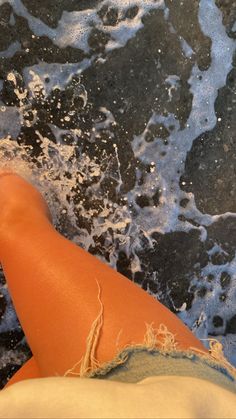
(156, 355)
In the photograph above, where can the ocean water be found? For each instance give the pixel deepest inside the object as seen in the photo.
(123, 115)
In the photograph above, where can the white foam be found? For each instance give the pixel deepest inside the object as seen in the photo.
(164, 218)
(188, 51)
(75, 27)
(47, 77)
(11, 50)
(7, 115)
(199, 317)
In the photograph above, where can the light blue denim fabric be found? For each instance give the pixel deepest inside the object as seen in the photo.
(140, 363)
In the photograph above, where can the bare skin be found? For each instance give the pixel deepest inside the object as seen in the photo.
(43, 269)
(53, 284)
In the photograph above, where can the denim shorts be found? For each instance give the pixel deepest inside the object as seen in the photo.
(140, 363)
(157, 355)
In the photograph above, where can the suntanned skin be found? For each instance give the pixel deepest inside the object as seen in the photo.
(53, 284)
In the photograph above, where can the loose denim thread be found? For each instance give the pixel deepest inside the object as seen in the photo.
(89, 366)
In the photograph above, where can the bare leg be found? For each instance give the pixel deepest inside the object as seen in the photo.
(29, 370)
(53, 284)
